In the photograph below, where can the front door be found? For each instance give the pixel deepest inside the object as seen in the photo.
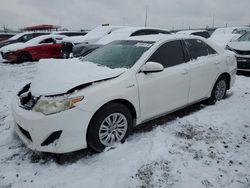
(162, 92)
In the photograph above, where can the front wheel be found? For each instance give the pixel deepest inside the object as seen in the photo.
(24, 57)
(219, 90)
(111, 124)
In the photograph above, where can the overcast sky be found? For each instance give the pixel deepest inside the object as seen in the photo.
(86, 14)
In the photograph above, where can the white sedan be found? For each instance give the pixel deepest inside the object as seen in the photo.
(97, 101)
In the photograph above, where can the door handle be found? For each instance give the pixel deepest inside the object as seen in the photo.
(184, 72)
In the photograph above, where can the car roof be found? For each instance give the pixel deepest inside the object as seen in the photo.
(18, 35)
(58, 32)
(38, 39)
(190, 31)
(163, 37)
(134, 29)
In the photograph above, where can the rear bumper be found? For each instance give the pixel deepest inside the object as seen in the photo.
(35, 128)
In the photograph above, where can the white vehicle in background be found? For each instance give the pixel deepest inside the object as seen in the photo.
(222, 36)
(71, 105)
(125, 33)
(201, 33)
(119, 34)
(241, 48)
(91, 37)
(231, 30)
(223, 39)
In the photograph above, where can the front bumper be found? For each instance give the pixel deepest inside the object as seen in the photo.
(34, 128)
(243, 63)
(9, 56)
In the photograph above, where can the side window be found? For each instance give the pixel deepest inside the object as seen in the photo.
(169, 54)
(25, 38)
(198, 48)
(49, 40)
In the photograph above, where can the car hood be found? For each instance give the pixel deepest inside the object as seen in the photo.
(13, 47)
(59, 76)
(240, 45)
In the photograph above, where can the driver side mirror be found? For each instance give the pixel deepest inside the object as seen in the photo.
(150, 67)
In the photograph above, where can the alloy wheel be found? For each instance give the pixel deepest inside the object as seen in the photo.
(113, 129)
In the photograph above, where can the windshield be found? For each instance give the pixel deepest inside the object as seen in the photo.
(245, 37)
(241, 31)
(119, 54)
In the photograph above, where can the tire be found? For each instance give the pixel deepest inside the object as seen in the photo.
(24, 57)
(219, 90)
(100, 130)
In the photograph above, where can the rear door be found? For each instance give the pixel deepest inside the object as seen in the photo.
(164, 91)
(204, 68)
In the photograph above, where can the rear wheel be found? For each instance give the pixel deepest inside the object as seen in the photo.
(219, 90)
(24, 57)
(111, 124)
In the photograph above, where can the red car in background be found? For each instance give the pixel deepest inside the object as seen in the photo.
(46, 46)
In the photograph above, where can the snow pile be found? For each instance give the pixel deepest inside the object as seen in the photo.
(201, 146)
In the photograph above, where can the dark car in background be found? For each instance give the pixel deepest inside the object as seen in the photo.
(21, 37)
(5, 36)
(90, 38)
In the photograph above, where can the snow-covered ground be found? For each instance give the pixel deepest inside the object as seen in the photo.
(200, 146)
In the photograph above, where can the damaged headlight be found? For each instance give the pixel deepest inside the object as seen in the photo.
(49, 106)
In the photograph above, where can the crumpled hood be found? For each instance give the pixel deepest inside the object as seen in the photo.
(57, 76)
(13, 47)
(240, 45)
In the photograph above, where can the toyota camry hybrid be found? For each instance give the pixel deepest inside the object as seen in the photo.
(96, 101)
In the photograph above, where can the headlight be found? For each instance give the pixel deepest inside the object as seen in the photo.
(49, 106)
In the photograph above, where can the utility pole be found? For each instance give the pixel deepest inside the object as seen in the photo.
(213, 22)
(123, 21)
(146, 16)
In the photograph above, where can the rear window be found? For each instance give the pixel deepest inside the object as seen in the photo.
(72, 34)
(149, 32)
(46, 41)
(198, 48)
(202, 34)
